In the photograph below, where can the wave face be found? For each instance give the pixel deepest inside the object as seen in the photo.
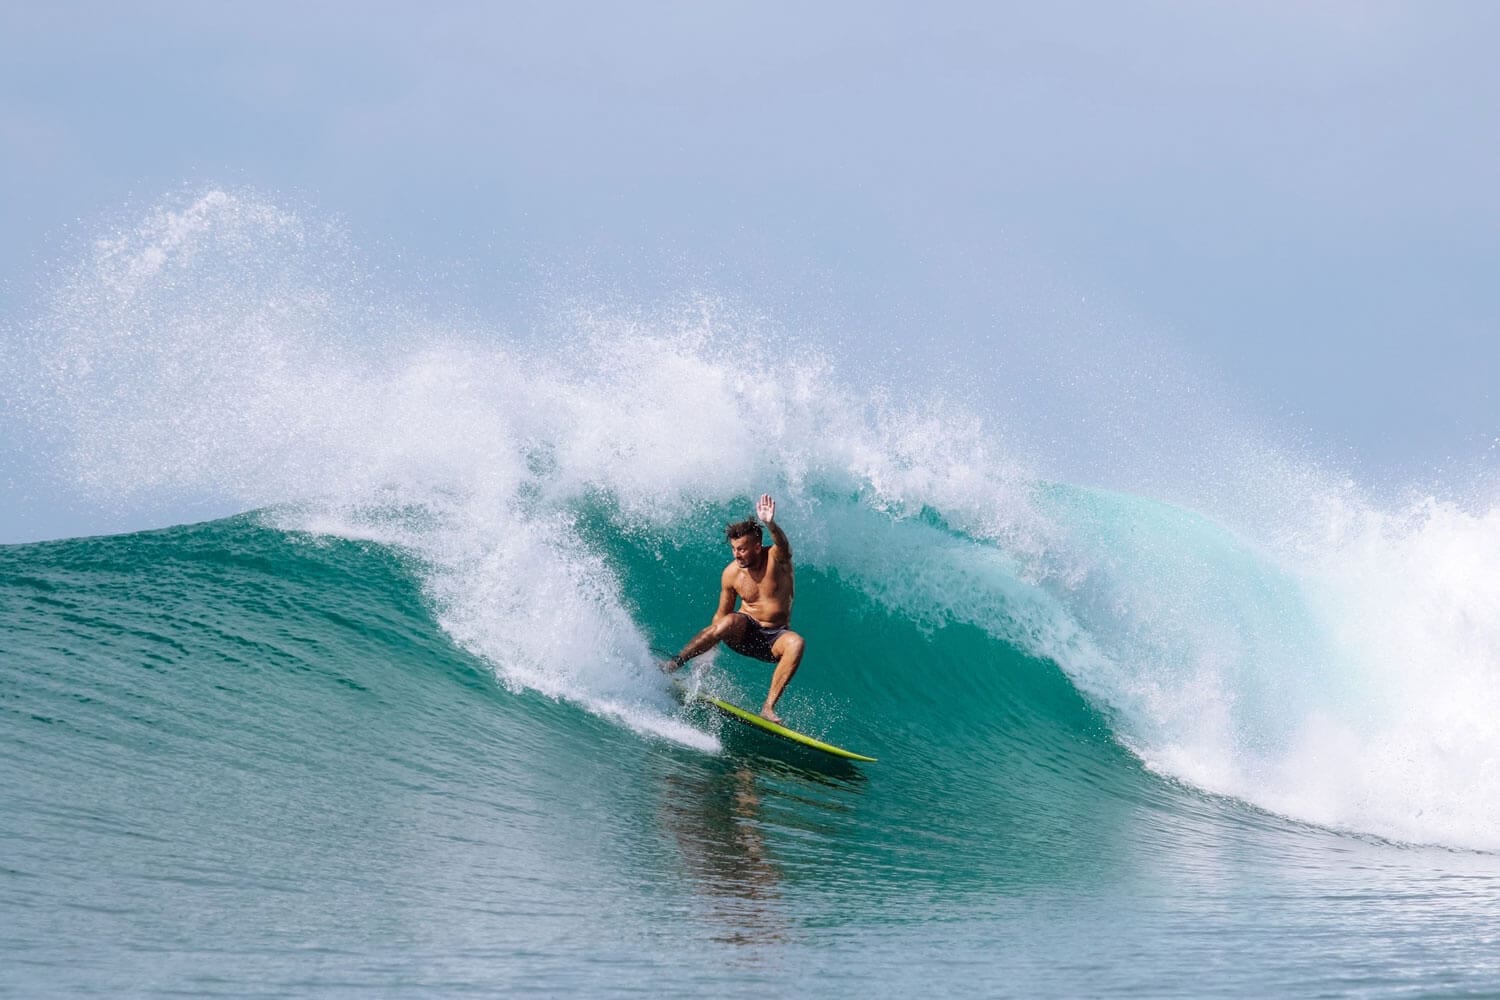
(419, 678)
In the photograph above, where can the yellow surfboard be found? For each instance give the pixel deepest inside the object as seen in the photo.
(752, 719)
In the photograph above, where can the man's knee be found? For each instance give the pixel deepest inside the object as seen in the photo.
(790, 644)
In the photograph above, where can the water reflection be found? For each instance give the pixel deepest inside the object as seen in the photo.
(716, 820)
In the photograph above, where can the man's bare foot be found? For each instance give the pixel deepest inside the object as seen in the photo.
(769, 714)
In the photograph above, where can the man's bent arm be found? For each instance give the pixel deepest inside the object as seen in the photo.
(727, 595)
(705, 640)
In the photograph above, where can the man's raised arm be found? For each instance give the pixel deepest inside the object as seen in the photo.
(766, 511)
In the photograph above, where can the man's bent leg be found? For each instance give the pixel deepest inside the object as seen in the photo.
(788, 651)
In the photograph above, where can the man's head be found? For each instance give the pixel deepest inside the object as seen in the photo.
(745, 542)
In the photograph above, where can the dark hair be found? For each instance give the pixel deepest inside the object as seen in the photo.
(749, 526)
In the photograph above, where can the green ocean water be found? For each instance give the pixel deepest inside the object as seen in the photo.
(242, 760)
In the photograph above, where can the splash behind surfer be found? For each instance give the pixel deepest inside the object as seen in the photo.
(760, 578)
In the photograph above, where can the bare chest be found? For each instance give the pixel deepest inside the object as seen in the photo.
(770, 584)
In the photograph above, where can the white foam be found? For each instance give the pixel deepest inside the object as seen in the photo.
(1410, 599)
(1346, 673)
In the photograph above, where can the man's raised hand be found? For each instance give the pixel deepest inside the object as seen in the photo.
(765, 509)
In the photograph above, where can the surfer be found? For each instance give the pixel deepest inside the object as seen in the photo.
(761, 579)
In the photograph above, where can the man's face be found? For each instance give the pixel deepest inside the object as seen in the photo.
(746, 549)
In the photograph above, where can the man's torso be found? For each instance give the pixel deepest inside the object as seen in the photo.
(766, 594)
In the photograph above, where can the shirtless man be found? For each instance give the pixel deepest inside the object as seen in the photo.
(761, 578)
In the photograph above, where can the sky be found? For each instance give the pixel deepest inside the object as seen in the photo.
(1297, 202)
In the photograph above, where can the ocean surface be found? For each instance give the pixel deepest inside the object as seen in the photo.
(396, 728)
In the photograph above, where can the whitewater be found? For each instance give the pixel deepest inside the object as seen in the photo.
(402, 706)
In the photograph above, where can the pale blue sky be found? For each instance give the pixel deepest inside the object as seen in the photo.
(1298, 200)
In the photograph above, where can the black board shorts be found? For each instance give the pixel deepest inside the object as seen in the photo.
(756, 640)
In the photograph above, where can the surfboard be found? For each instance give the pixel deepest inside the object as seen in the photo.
(732, 711)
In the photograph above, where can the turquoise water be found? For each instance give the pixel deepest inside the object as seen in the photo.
(248, 761)
(396, 727)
